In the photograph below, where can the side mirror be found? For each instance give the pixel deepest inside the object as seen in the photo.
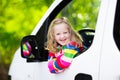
(30, 48)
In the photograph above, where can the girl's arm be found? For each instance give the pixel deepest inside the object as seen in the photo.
(53, 64)
(65, 59)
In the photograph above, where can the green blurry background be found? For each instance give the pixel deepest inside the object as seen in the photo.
(19, 17)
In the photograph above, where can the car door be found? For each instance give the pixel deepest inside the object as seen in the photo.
(85, 65)
(110, 50)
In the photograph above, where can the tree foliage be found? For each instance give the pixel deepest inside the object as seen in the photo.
(83, 13)
(17, 19)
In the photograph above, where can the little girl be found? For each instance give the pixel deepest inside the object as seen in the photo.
(63, 44)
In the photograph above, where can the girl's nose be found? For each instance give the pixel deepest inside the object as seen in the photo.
(62, 36)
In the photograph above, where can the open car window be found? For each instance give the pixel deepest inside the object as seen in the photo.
(82, 16)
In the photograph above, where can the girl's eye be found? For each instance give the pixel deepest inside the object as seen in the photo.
(58, 34)
(64, 32)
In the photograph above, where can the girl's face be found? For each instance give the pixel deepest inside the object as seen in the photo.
(62, 34)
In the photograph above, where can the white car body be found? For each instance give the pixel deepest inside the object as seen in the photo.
(101, 60)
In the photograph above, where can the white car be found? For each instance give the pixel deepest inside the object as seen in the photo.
(101, 61)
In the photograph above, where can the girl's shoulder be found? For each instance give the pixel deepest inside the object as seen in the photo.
(74, 45)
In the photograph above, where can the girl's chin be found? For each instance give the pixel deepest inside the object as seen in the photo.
(64, 43)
